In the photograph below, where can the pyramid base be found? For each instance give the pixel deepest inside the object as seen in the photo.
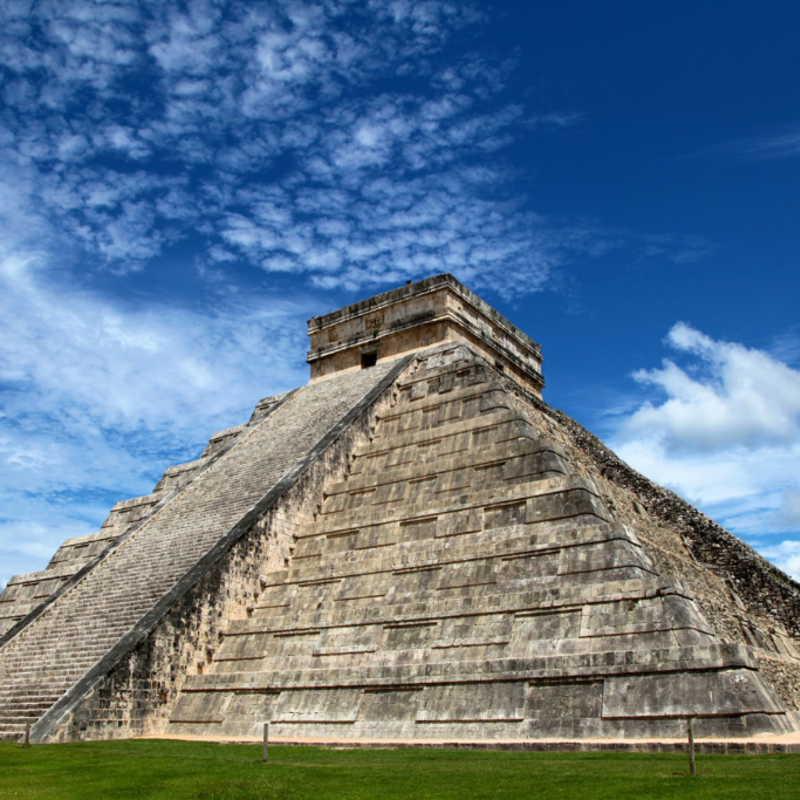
(748, 745)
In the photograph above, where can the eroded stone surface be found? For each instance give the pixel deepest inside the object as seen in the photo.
(465, 582)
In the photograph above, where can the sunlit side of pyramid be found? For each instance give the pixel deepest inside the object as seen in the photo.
(412, 546)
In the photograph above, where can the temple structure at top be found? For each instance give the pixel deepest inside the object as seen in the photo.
(419, 315)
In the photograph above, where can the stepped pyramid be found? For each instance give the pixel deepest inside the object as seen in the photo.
(412, 546)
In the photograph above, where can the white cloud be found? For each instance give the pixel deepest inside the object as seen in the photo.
(132, 368)
(739, 397)
(164, 120)
(100, 397)
(789, 513)
(724, 434)
(785, 556)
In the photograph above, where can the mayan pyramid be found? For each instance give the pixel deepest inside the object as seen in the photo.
(411, 546)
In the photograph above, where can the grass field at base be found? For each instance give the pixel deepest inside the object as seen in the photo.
(210, 771)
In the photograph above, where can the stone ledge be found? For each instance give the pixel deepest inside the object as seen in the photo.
(765, 746)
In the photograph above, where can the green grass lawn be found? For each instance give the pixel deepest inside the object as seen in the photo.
(207, 771)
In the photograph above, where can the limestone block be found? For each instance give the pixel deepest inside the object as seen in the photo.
(318, 705)
(504, 515)
(276, 596)
(415, 581)
(571, 503)
(691, 693)
(174, 476)
(395, 704)
(355, 500)
(542, 463)
(388, 493)
(455, 480)
(339, 542)
(410, 635)
(377, 536)
(416, 530)
(457, 523)
(473, 702)
(201, 707)
(472, 573)
(247, 712)
(420, 491)
(452, 445)
(313, 593)
(294, 643)
(642, 615)
(419, 455)
(246, 646)
(354, 639)
(575, 702)
(222, 439)
(613, 555)
(530, 628)
(476, 630)
(362, 587)
(395, 457)
(493, 400)
(530, 566)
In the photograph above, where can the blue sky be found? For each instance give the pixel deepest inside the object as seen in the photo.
(183, 185)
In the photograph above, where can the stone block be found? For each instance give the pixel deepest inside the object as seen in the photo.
(390, 705)
(201, 707)
(688, 694)
(483, 702)
(317, 705)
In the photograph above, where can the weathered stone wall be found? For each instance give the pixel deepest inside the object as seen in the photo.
(463, 582)
(494, 570)
(744, 597)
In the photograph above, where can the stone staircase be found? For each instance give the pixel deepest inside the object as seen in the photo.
(79, 630)
(465, 582)
(26, 592)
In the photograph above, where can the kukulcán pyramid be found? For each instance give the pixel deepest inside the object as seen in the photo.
(411, 546)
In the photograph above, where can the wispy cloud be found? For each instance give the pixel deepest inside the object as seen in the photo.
(136, 124)
(131, 127)
(723, 430)
(99, 397)
(779, 144)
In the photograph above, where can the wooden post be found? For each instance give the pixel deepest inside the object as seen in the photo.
(690, 733)
(266, 742)
(27, 735)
